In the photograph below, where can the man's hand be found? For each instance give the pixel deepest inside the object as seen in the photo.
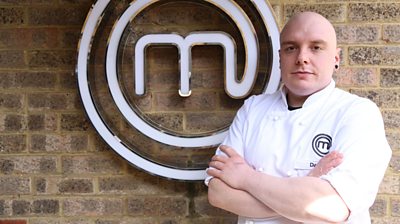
(232, 168)
(326, 164)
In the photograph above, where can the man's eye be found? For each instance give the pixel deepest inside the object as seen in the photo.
(290, 49)
(317, 48)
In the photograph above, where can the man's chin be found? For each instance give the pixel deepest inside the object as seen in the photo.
(302, 90)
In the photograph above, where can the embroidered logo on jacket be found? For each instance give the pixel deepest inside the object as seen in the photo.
(321, 144)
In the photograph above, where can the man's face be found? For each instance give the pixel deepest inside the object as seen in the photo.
(308, 55)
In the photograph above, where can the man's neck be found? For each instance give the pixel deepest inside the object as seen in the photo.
(295, 101)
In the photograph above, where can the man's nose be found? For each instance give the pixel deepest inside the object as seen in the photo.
(302, 57)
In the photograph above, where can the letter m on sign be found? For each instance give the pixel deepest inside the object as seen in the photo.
(233, 87)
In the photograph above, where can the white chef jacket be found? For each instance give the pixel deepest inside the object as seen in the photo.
(286, 143)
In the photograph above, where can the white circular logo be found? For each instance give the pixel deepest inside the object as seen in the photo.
(91, 73)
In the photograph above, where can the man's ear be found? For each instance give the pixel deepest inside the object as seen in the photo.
(337, 56)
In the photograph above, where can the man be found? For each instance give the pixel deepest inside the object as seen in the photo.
(309, 153)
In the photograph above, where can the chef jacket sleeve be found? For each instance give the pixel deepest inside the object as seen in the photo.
(366, 154)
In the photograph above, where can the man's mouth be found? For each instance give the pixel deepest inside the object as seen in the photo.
(302, 72)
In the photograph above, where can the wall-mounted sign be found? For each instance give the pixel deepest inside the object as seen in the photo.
(161, 80)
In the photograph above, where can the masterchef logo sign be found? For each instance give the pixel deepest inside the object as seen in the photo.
(126, 94)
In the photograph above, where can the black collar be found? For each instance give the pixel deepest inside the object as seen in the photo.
(293, 108)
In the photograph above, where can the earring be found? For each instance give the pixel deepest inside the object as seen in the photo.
(336, 66)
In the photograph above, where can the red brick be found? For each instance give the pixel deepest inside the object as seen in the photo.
(32, 164)
(12, 122)
(383, 98)
(68, 80)
(391, 119)
(395, 207)
(184, 14)
(169, 121)
(379, 207)
(354, 77)
(333, 12)
(26, 2)
(76, 186)
(197, 101)
(58, 143)
(208, 122)
(371, 55)
(74, 122)
(58, 15)
(390, 185)
(67, 186)
(92, 207)
(393, 138)
(391, 33)
(11, 59)
(208, 57)
(12, 144)
(207, 79)
(51, 101)
(14, 185)
(11, 101)
(12, 16)
(69, 38)
(356, 34)
(95, 164)
(205, 209)
(390, 77)
(156, 206)
(27, 38)
(13, 221)
(52, 58)
(37, 80)
(373, 12)
(42, 122)
(45, 207)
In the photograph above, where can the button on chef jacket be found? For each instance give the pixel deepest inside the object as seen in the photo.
(286, 143)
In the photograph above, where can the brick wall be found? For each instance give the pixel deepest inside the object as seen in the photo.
(55, 169)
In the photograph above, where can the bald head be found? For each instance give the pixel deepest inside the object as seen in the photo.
(309, 23)
(308, 54)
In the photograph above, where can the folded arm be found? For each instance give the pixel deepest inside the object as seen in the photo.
(302, 199)
(236, 201)
(309, 198)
